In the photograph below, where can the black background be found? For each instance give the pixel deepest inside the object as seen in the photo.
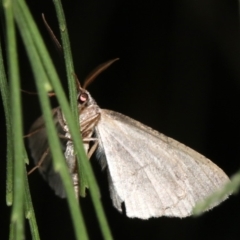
(179, 72)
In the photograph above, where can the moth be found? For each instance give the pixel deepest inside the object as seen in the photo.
(152, 174)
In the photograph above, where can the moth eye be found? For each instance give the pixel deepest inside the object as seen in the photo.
(83, 97)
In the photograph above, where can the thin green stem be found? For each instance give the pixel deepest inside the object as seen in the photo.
(6, 104)
(17, 217)
(29, 211)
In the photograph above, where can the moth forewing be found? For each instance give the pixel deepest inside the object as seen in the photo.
(152, 174)
(39, 147)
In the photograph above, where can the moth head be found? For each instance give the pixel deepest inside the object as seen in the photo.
(84, 98)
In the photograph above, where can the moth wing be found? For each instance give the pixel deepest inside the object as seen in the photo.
(38, 144)
(153, 175)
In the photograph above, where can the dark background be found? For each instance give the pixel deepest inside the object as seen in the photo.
(179, 72)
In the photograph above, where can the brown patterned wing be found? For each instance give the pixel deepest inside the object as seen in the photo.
(38, 144)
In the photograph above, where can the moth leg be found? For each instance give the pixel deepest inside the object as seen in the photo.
(93, 148)
(32, 133)
(61, 120)
(86, 140)
(50, 94)
(89, 123)
(40, 161)
(64, 137)
(40, 124)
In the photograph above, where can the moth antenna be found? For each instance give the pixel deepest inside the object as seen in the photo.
(77, 81)
(57, 43)
(102, 67)
(52, 35)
